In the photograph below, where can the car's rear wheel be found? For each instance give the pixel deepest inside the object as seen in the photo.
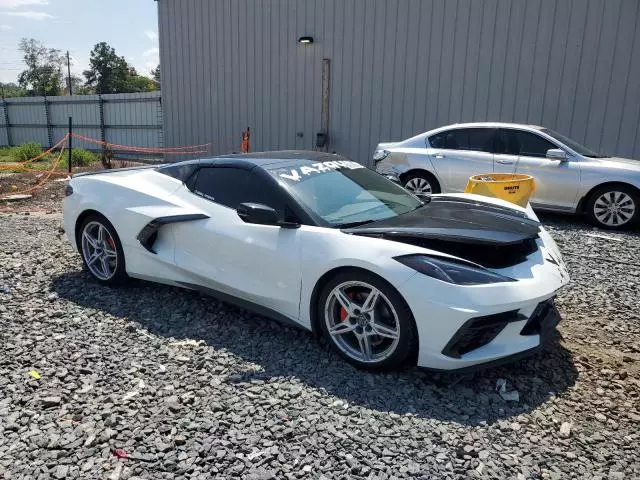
(367, 321)
(421, 183)
(101, 250)
(614, 207)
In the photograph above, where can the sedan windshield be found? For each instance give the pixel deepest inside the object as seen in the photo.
(572, 144)
(344, 193)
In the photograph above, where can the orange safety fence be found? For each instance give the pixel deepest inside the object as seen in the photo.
(17, 165)
(167, 150)
(45, 175)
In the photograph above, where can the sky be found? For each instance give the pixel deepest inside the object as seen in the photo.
(129, 26)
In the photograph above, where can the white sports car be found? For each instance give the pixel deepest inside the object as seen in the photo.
(312, 239)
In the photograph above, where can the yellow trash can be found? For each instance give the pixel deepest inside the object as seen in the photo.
(513, 187)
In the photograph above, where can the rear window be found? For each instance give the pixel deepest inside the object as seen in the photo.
(475, 139)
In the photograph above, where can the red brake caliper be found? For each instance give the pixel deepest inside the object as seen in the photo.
(111, 243)
(343, 311)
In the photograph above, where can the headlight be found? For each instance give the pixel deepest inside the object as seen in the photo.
(452, 271)
(380, 155)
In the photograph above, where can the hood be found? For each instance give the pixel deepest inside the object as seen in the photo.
(458, 220)
(626, 164)
(487, 234)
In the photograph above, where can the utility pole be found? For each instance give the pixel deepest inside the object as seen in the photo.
(69, 73)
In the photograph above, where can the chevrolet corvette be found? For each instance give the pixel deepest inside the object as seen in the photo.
(447, 282)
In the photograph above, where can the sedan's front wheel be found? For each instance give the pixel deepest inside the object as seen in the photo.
(613, 207)
(367, 321)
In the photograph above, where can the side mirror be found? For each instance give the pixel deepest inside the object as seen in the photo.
(262, 215)
(394, 179)
(257, 213)
(557, 154)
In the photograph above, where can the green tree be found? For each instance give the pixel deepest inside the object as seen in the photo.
(155, 74)
(43, 75)
(8, 90)
(107, 72)
(139, 83)
(77, 86)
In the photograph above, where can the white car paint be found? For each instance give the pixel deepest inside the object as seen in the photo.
(279, 268)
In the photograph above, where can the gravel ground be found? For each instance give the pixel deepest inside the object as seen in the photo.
(187, 387)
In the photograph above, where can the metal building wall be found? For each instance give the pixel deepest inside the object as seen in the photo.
(398, 68)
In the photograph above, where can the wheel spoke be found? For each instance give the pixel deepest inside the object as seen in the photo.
(110, 253)
(365, 346)
(384, 331)
(104, 262)
(370, 303)
(341, 328)
(344, 300)
(100, 234)
(90, 240)
(93, 259)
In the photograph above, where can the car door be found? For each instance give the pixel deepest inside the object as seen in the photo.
(256, 263)
(522, 151)
(460, 153)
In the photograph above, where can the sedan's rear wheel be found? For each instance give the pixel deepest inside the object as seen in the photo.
(101, 250)
(613, 207)
(367, 321)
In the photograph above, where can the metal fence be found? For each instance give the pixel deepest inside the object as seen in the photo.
(133, 119)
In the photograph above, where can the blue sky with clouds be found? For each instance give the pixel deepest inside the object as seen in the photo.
(130, 26)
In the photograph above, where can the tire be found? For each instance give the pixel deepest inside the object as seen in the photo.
(100, 249)
(388, 328)
(613, 207)
(421, 182)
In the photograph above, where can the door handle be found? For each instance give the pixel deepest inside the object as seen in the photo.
(505, 162)
(439, 155)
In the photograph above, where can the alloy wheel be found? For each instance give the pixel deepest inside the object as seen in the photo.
(99, 250)
(419, 185)
(614, 208)
(362, 322)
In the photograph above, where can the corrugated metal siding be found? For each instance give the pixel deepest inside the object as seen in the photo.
(130, 119)
(398, 68)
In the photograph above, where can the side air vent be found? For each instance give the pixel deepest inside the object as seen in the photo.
(149, 234)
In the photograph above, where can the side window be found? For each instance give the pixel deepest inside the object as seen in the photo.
(528, 144)
(223, 185)
(261, 190)
(475, 139)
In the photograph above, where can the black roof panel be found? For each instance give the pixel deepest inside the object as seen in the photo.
(247, 161)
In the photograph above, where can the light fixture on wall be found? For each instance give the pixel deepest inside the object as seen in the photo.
(305, 40)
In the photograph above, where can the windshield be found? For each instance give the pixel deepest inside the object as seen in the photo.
(344, 193)
(572, 144)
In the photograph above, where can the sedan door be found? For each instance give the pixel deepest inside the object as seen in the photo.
(460, 153)
(557, 182)
(256, 263)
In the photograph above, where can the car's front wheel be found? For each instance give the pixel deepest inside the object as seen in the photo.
(614, 207)
(367, 321)
(101, 250)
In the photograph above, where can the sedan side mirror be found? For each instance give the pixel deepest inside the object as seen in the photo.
(262, 215)
(394, 178)
(557, 154)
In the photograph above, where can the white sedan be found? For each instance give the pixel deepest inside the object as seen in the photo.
(570, 178)
(318, 241)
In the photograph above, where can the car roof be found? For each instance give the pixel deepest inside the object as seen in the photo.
(491, 125)
(265, 159)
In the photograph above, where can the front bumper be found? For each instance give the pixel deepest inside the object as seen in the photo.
(464, 327)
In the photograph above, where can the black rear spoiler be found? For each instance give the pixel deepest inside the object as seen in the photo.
(113, 170)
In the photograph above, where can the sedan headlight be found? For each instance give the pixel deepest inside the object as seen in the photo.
(452, 271)
(380, 155)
